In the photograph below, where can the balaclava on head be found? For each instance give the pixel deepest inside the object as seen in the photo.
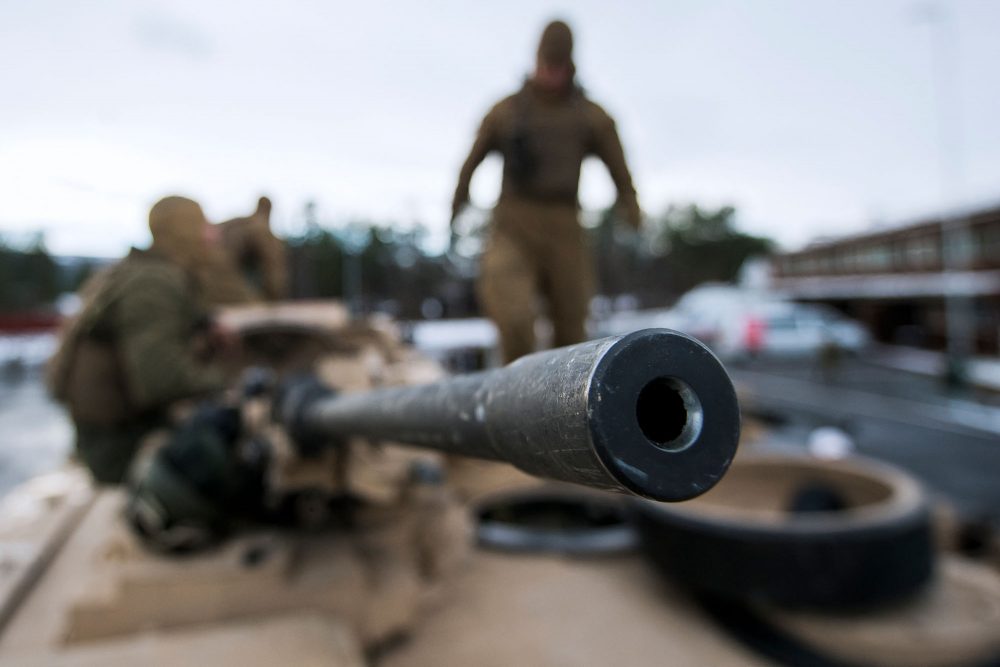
(264, 207)
(178, 226)
(556, 45)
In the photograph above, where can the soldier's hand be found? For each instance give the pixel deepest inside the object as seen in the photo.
(458, 203)
(221, 341)
(457, 207)
(633, 215)
(224, 336)
(456, 210)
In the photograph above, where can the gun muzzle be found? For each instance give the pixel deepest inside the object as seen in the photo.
(652, 413)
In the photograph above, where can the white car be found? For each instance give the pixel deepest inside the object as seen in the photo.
(739, 322)
(792, 329)
(716, 314)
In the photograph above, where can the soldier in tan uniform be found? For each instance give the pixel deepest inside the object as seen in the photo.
(248, 262)
(536, 245)
(130, 353)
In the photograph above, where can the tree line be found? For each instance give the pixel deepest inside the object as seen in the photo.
(379, 267)
(31, 278)
(376, 267)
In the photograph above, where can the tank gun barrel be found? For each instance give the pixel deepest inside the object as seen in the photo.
(652, 413)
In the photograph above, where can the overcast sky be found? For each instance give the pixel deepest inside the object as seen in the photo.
(812, 118)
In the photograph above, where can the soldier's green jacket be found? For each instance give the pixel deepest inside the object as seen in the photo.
(128, 356)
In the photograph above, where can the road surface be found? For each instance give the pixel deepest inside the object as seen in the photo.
(951, 442)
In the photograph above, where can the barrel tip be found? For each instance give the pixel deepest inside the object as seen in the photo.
(664, 417)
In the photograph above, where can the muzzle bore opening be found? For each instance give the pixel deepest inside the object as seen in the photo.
(669, 414)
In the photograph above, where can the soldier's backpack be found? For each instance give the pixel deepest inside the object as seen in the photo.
(85, 373)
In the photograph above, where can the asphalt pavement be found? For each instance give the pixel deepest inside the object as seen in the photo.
(949, 440)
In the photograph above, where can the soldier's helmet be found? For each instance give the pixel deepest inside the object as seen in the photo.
(178, 226)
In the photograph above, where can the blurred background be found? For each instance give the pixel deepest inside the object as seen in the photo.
(820, 182)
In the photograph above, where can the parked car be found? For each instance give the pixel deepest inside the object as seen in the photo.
(791, 329)
(737, 322)
(704, 312)
(719, 314)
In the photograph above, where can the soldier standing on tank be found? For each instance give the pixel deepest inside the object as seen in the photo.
(130, 354)
(536, 245)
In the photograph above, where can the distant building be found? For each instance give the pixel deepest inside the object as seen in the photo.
(894, 279)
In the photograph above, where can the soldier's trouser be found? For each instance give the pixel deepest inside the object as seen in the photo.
(107, 451)
(535, 250)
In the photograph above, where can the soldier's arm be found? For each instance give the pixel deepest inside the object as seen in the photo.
(487, 140)
(272, 261)
(608, 147)
(155, 320)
